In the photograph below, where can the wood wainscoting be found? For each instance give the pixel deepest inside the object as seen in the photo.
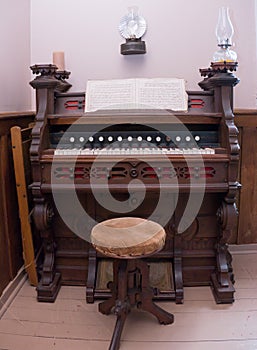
(246, 121)
(10, 233)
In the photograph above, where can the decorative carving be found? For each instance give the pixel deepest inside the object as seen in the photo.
(226, 215)
(133, 172)
(223, 276)
(50, 280)
(43, 216)
(231, 127)
(75, 104)
(220, 79)
(224, 67)
(44, 83)
(87, 172)
(44, 69)
(195, 172)
(48, 266)
(219, 74)
(218, 67)
(221, 67)
(196, 103)
(63, 85)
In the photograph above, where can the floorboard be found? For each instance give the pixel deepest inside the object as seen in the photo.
(200, 324)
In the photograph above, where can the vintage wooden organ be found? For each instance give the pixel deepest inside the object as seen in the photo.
(91, 158)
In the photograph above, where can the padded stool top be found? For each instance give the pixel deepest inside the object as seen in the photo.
(128, 237)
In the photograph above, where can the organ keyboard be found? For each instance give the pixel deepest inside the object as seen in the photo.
(107, 158)
(131, 151)
(134, 143)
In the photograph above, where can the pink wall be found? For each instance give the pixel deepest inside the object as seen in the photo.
(15, 93)
(180, 39)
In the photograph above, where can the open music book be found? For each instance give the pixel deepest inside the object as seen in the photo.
(137, 93)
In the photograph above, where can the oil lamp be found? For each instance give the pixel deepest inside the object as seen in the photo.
(224, 33)
(132, 27)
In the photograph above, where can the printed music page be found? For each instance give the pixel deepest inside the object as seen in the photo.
(156, 93)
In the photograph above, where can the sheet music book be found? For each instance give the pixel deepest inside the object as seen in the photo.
(137, 93)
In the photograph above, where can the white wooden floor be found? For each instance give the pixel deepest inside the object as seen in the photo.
(200, 324)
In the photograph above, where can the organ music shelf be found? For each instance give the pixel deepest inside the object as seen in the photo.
(124, 117)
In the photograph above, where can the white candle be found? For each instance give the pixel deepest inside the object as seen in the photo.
(58, 60)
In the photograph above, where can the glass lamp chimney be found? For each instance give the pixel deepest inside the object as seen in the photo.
(224, 28)
(224, 32)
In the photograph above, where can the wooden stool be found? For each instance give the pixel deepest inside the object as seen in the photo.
(128, 240)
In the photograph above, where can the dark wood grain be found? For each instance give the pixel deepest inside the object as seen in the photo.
(10, 234)
(199, 254)
(247, 222)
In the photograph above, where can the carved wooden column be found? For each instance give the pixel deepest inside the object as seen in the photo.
(221, 80)
(45, 84)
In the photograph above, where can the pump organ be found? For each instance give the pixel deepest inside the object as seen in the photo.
(179, 153)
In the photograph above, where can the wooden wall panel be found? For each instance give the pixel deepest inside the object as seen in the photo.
(10, 243)
(246, 121)
(10, 235)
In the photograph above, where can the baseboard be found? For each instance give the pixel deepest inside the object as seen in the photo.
(243, 248)
(12, 290)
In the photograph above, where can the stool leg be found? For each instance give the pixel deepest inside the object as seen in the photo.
(178, 274)
(91, 278)
(106, 306)
(122, 306)
(115, 342)
(146, 301)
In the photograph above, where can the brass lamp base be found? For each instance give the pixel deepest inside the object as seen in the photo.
(133, 47)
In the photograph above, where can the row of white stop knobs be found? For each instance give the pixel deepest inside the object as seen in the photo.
(91, 139)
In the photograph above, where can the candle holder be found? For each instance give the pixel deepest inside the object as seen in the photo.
(61, 76)
(44, 70)
(219, 67)
(218, 74)
(48, 74)
(45, 76)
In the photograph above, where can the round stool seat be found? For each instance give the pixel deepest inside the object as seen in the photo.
(128, 237)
